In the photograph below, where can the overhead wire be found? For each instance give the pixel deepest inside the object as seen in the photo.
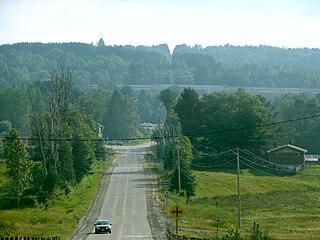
(253, 155)
(266, 161)
(174, 136)
(185, 173)
(263, 166)
(212, 166)
(207, 154)
(256, 169)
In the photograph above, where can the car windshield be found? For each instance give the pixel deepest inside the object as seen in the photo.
(102, 223)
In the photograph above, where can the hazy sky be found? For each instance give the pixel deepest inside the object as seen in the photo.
(282, 23)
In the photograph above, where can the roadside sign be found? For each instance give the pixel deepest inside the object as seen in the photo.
(176, 212)
(166, 184)
(166, 194)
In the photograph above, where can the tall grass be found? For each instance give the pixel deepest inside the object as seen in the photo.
(285, 206)
(59, 217)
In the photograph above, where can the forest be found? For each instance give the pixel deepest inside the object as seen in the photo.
(108, 66)
(64, 93)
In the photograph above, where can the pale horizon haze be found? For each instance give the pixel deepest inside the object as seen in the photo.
(279, 23)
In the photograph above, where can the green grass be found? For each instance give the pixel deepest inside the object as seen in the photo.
(3, 179)
(288, 207)
(60, 218)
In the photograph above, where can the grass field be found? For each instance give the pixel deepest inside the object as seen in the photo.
(287, 207)
(59, 218)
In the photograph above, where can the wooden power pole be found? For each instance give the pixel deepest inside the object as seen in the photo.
(179, 176)
(239, 202)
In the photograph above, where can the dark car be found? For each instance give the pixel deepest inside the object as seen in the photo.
(102, 226)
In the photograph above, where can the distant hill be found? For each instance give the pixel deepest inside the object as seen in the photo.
(107, 66)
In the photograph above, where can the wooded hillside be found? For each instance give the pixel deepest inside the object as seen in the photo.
(107, 66)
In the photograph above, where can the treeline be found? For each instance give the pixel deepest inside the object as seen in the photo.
(65, 122)
(64, 143)
(101, 66)
(108, 66)
(247, 66)
(219, 122)
(69, 128)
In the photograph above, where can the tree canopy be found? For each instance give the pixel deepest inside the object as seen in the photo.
(108, 66)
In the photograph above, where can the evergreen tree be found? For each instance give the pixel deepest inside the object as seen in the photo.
(188, 110)
(121, 118)
(101, 43)
(19, 169)
(182, 152)
(145, 107)
(5, 126)
(83, 157)
(169, 99)
(14, 106)
(82, 146)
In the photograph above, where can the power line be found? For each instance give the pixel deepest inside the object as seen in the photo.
(207, 154)
(256, 169)
(253, 155)
(174, 136)
(254, 126)
(213, 166)
(266, 161)
(263, 166)
(185, 173)
(278, 167)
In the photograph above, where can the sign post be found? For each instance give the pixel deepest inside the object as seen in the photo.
(176, 212)
(166, 195)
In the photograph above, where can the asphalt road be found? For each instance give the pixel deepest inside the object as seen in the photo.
(122, 199)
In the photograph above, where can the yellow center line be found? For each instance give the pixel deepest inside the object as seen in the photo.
(125, 196)
(121, 230)
(124, 203)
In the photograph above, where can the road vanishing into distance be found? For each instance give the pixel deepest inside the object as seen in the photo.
(122, 199)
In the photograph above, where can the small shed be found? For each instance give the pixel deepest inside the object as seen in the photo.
(289, 155)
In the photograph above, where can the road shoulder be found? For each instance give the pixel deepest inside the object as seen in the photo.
(155, 216)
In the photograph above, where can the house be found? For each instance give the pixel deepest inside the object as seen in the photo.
(289, 155)
(25, 134)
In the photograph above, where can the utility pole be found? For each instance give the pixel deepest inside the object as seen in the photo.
(239, 202)
(162, 148)
(179, 177)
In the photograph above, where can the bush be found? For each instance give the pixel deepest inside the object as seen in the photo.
(5, 126)
(233, 235)
(259, 235)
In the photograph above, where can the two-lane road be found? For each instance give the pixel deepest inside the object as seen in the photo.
(124, 203)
